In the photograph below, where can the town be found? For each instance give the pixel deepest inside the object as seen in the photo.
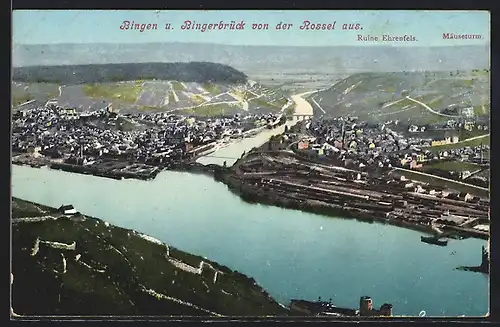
(343, 167)
(122, 145)
(434, 148)
(432, 178)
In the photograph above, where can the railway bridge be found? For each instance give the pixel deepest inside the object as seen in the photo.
(221, 157)
(297, 116)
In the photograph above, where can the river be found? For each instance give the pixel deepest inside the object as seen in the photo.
(234, 150)
(290, 253)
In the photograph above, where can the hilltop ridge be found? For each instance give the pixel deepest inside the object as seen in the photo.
(99, 73)
(407, 96)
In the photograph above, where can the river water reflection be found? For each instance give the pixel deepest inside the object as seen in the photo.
(290, 253)
(235, 149)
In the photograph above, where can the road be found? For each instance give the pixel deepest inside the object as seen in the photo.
(440, 146)
(442, 178)
(429, 108)
(460, 142)
(317, 104)
(25, 103)
(475, 138)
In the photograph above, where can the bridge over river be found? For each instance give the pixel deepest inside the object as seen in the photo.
(220, 157)
(232, 152)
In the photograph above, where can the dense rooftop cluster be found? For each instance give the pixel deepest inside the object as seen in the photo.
(366, 144)
(145, 138)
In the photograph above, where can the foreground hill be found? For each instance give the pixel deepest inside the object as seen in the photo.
(83, 266)
(415, 97)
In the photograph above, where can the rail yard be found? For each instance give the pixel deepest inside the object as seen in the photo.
(283, 178)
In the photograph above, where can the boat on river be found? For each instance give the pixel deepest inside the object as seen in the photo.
(433, 240)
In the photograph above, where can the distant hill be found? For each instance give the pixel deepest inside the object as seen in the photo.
(98, 73)
(296, 67)
(379, 97)
(85, 266)
(256, 60)
(191, 98)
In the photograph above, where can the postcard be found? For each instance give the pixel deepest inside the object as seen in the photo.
(255, 163)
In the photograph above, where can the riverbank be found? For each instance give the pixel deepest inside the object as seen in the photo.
(80, 265)
(257, 196)
(268, 190)
(108, 169)
(281, 179)
(120, 168)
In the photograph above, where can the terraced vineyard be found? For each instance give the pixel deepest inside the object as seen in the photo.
(193, 98)
(385, 96)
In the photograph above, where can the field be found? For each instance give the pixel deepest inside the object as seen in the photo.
(126, 92)
(212, 110)
(22, 92)
(277, 105)
(211, 88)
(406, 110)
(482, 109)
(178, 86)
(475, 142)
(290, 110)
(18, 99)
(453, 166)
(198, 99)
(171, 98)
(434, 180)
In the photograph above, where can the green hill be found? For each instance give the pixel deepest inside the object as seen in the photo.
(81, 265)
(380, 97)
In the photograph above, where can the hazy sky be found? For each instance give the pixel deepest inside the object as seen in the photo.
(92, 26)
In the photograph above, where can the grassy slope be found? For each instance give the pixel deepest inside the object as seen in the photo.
(178, 86)
(277, 105)
(128, 262)
(126, 92)
(475, 142)
(211, 88)
(433, 180)
(367, 95)
(18, 99)
(212, 110)
(22, 92)
(453, 166)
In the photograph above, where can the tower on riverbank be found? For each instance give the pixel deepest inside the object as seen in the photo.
(365, 305)
(366, 308)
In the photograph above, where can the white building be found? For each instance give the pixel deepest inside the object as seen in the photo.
(68, 209)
